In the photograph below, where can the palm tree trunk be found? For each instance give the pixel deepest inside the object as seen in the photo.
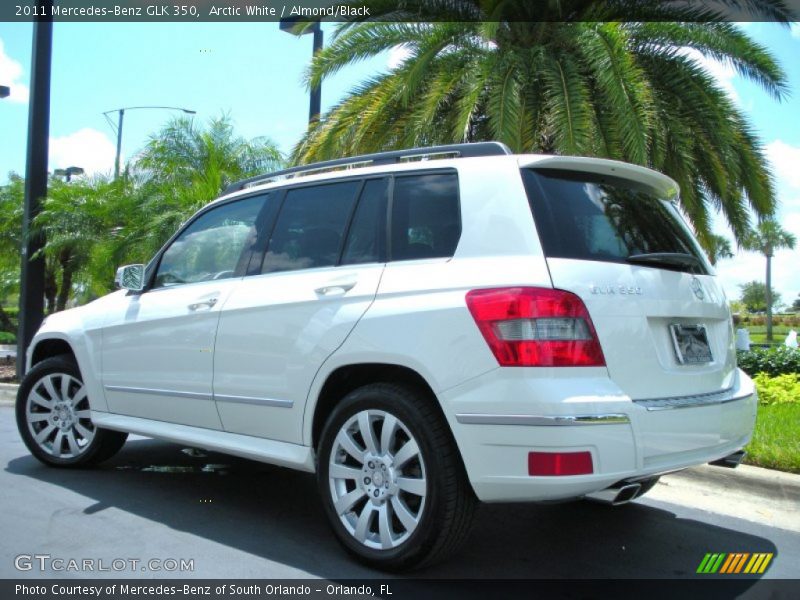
(768, 293)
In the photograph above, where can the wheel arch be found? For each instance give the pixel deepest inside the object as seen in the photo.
(48, 348)
(50, 344)
(344, 379)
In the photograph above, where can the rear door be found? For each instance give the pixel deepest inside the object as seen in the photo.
(319, 275)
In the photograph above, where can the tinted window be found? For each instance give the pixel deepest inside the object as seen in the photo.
(426, 221)
(212, 246)
(310, 227)
(589, 217)
(365, 237)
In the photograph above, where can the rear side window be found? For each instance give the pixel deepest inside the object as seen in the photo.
(593, 217)
(426, 220)
(310, 227)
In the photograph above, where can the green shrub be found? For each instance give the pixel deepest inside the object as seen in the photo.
(772, 361)
(7, 338)
(783, 389)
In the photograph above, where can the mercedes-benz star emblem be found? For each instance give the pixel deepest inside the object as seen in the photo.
(697, 288)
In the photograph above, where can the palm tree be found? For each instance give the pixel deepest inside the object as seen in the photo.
(184, 166)
(766, 238)
(717, 247)
(94, 225)
(588, 82)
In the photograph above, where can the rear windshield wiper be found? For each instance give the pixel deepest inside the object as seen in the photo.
(672, 259)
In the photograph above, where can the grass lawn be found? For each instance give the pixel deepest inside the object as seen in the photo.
(776, 440)
(758, 334)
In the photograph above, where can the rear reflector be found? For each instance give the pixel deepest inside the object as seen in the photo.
(559, 463)
(536, 327)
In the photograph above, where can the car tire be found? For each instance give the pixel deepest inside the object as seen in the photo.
(401, 499)
(52, 412)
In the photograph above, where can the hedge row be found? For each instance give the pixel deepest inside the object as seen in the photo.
(772, 361)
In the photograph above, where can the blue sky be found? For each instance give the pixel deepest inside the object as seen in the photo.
(252, 71)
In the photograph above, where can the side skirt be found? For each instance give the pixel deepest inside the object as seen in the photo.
(282, 454)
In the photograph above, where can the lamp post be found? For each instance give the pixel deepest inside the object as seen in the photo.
(68, 173)
(32, 268)
(292, 26)
(121, 112)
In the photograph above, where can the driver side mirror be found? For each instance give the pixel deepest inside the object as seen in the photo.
(130, 277)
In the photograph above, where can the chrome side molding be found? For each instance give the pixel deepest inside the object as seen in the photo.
(157, 392)
(201, 396)
(567, 420)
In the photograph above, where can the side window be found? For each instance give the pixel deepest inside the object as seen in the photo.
(426, 220)
(365, 237)
(310, 227)
(212, 246)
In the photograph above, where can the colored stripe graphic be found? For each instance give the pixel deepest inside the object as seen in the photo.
(730, 563)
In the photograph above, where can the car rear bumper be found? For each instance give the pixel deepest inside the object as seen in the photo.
(500, 417)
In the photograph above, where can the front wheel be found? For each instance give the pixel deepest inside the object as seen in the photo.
(53, 417)
(392, 483)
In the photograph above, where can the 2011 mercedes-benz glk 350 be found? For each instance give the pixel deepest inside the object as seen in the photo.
(423, 329)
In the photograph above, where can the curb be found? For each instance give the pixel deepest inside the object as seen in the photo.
(734, 492)
(8, 393)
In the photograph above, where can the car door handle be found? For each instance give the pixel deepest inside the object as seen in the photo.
(332, 289)
(203, 304)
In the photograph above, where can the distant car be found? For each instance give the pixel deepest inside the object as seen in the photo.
(423, 329)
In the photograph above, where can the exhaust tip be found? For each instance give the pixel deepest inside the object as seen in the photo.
(616, 495)
(731, 461)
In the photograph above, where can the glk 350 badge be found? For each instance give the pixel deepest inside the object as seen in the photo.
(613, 290)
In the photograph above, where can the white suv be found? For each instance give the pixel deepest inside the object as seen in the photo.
(422, 329)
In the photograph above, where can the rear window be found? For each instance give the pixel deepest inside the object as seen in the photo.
(426, 219)
(595, 217)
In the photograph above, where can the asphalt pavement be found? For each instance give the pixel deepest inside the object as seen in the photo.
(236, 518)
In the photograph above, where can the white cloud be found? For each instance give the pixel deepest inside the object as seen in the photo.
(795, 30)
(397, 55)
(723, 73)
(10, 72)
(750, 266)
(785, 160)
(87, 148)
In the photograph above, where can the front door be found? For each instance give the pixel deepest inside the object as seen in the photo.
(158, 345)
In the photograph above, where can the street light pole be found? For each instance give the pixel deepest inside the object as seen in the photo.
(295, 27)
(119, 143)
(120, 121)
(31, 285)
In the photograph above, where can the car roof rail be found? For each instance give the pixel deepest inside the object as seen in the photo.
(470, 150)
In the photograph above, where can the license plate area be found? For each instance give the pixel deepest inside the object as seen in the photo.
(691, 344)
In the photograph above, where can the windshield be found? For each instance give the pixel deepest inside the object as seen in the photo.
(596, 217)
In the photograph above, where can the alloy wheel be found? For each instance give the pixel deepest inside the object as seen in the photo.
(58, 416)
(377, 479)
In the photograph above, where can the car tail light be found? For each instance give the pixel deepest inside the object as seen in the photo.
(536, 327)
(559, 463)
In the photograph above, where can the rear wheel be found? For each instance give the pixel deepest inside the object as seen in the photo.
(392, 484)
(53, 417)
